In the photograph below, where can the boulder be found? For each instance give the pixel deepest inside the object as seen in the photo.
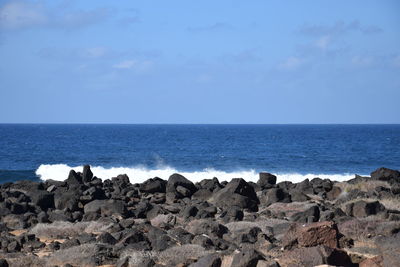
(236, 193)
(87, 174)
(248, 235)
(163, 220)
(314, 256)
(376, 261)
(106, 207)
(67, 200)
(181, 235)
(3, 263)
(267, 263)
(43, 217)
(73, 178)
(266, 180)
(385, 174)
(106, 238)
(362, 208)
(246, 258)
(321, 185)
(159, 239)
(314, 234)
(211, 260)
(42, 198)
(189, 211)
(206, 226)
(59, 215)
(231, 214)
(13, 246)
(211, 185)
(305, 187)
(334, 193)
(155, 185)
(24, 186)
(141, 209)
(202, 194)
(179, 187)
(120, 185)
(309, 215)
(389, 247)
(274, 195)
(298, 196)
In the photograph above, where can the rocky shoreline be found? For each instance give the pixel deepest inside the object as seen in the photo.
(84, 221)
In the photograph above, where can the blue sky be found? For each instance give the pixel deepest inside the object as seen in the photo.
(200, 61)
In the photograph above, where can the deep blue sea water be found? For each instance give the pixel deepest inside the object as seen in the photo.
(49, 150)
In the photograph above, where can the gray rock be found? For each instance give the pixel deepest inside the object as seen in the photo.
(106, 207)
(362, 208)
(266, 180)
(211, 260)
(179, 187)
(155, 185)
(87, 174)
(3, 263)
(236, 193)
(246, 258)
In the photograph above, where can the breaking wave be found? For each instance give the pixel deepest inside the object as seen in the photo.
(139, 174)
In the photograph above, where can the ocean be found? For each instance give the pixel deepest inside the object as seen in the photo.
(292, 152)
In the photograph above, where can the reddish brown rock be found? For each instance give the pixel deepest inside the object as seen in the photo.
(334, 193)
(314, 234)
(313, 256)
(372, 262)
(321, 233)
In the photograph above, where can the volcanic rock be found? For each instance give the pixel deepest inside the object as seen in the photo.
(179, 187)
(155, 185)
(246, 258)
(266, 180)
(236, 193)
(314, 234)
(362, 208)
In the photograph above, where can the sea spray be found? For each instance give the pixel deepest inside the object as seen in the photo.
(138, 174)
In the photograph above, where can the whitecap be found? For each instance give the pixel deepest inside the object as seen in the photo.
(138, 174)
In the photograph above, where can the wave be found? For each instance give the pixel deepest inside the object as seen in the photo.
(139, 174)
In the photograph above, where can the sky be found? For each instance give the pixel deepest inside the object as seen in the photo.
(167, 61)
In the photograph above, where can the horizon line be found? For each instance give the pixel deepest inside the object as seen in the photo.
(167, 123)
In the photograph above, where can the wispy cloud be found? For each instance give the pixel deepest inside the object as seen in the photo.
(337, 28)
(244, 56)
(323, 42)
(18, 15)
(204, 78)
(396, 61)
(134, 64)
(96, 52)
(131, 18)
(291, 63)
(208, 28)
(362, 61)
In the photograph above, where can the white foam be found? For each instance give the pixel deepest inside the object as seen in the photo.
(139, 174)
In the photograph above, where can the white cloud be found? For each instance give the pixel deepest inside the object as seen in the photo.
(338, 28)
(290, 63)
(15, 15)
(18, 14)
(127, 64)
(396, 61)
(96, 52)
(214, 27)
(204, 78)
(134, 64)
(323, 42)
(362, 61)
(81, 18)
